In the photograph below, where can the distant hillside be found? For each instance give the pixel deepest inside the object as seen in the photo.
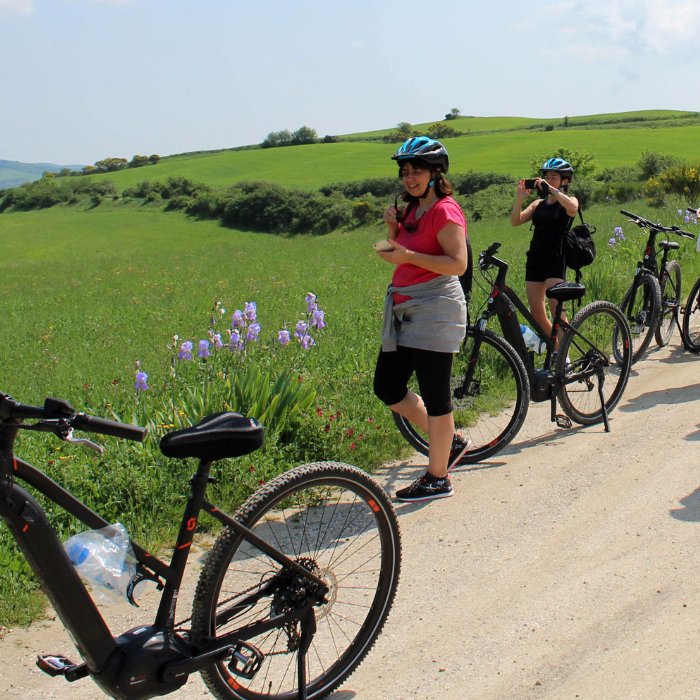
(13, 173)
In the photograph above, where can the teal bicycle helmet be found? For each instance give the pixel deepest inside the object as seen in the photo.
(424, 149)
(558, 165)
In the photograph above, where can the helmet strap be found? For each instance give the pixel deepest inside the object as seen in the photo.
(433, 176)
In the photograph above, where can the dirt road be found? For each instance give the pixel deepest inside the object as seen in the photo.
(566, 567)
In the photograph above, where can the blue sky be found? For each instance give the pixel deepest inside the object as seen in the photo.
(87, 79)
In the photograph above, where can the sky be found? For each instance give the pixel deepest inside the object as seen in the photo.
(84, 80)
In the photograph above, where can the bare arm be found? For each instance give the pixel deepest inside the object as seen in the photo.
(519, 215)
(569, 203)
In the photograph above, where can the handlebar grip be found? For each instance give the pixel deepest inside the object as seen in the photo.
(628, 213)
(109, 427)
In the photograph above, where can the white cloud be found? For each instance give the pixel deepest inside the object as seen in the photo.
(16, 7)
(630, 26)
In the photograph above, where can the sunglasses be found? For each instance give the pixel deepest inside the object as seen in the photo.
(401, 216)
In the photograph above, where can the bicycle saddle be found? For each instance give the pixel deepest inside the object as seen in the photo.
(220, 435)
(565, 291)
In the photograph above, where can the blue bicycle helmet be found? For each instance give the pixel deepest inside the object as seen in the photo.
(558, 165)
(426, 149)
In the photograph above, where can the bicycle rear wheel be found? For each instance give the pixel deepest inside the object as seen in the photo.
(586, 357)
(337, 522)
(691, 320)
(670, 288)
(642, 312)
(494, 407)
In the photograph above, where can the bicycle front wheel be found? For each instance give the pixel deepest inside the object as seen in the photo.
(670, 288)
(587, 364)
(691, 320)
(338, 523)
(642, 310)
(492, 409)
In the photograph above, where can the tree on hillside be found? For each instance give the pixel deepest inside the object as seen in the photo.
(440, 131)
(277, 138)
(110, 165)
(304, 134)
(454, 113)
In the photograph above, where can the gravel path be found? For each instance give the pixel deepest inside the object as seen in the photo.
(565, 567)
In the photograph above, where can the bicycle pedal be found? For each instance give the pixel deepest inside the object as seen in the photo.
(563, 421)
(246, 661)
(58, 665)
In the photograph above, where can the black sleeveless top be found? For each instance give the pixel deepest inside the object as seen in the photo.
(550, 223)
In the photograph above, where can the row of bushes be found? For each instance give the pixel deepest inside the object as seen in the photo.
(48, 192)
(263, 206)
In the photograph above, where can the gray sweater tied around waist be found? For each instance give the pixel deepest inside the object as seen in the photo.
(434, 318)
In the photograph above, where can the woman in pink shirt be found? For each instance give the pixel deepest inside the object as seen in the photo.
(425, 310)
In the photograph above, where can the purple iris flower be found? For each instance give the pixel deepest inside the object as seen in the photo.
(310, 301)
(235, 342)
(203, 350)
(318, 319)
(302, 327)
(253, 331)
(307, 341)
(251, 311)
(216, 341)
(237, 320)
(185, 351)
(612, 242)
(283, 337)
(141, 383)
(618, 232)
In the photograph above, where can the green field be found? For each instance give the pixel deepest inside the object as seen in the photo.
(495, 144)
(89, 291)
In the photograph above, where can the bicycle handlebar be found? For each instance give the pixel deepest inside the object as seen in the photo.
(645, 223)
(58, 409)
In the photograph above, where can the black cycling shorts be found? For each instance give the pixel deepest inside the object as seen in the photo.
(433, 371)
(542, 265)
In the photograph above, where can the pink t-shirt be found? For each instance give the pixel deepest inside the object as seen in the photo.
(425, 240)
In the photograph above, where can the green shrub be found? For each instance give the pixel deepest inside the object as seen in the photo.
(652, 163)
(681, 180)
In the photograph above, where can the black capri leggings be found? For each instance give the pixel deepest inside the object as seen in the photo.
(433, 371)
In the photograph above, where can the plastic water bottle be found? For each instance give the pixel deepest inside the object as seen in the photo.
(105, 559)
(532, 340)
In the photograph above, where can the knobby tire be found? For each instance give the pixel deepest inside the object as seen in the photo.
(333, 519)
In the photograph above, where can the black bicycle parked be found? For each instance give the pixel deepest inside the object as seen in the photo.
(652, 303)
(292, 596)
(494, 377)
(690, 328)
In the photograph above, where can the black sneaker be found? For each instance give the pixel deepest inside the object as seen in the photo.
(425, 489)
(459, 447)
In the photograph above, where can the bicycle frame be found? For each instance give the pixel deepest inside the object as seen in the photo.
(503, 303)
(544, 383)
(649, 265)
(68, 595)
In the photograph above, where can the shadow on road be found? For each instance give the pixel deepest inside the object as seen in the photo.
(691, 508)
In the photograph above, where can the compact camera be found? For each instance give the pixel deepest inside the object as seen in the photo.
(542, 189)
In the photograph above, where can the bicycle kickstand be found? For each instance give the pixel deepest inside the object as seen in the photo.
(308, 629)
(603, 407)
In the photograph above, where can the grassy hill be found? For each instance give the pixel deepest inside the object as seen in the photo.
(495, 144)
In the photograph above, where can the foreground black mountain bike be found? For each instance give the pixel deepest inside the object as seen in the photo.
(494, 377)
(652, 303)
(291, 598)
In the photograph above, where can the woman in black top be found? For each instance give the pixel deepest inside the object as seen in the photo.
(551, 216)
